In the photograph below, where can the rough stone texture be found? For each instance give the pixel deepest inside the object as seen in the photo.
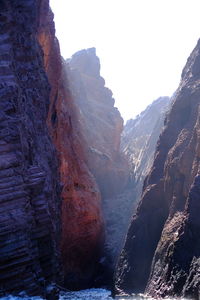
(102, 126)
(139, 139)
(82, 222)
(101, 122)
(30, 193)
(29, 189)
(162, 250)
(138, 143)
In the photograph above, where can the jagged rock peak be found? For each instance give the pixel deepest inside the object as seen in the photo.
(101, 122)
(140, 136)
(86, 61)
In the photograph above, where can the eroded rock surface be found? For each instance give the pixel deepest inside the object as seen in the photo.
(29, 181)
(102, 126)
(161, 254)
(38, 112)
(139, 139)
(138, 144)
(101, 122)
(82, 222)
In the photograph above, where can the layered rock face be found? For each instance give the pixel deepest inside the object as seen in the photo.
(101, 122)
(162, 249)
(33, 229)
(139, 139)
(82, 222)
(29, 181)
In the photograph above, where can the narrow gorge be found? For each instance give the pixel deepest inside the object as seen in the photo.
(74, 179)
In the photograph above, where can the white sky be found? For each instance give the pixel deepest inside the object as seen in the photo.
(143, 45)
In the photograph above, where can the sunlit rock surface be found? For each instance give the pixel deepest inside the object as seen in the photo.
(38, 112)
(102, 125)
(139, 139)
(82, 230)
(162, 249)
(101, 122)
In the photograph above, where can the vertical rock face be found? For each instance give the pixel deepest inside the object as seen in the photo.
(101, 126)
(29, 188)
(82, 222)
(101, 122)
(162, 250)
(139, 139)
(35, 105)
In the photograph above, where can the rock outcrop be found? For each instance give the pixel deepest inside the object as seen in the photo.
(38, 112)
(102, 126)
(139, 139)
(101, 122)
(161, 253)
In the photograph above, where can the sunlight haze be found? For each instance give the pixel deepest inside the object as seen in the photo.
(143, 45)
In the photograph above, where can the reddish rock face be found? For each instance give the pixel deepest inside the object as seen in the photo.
(82, 223)
(162, 250)
(102, 125)
(101, 122)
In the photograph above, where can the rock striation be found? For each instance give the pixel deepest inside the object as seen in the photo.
(29, 181)
(139, 139)
(42, 161)
(161, 254)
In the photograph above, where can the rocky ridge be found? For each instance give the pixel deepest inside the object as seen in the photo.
(139, 139)
(101, 122)
(161, 253)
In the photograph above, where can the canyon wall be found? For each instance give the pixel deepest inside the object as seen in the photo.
(139, 139)
(29, 180)
(102, 126)
(51, 221)
(82, 223)
(162, 249)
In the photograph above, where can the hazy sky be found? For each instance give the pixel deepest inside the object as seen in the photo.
(143, 45)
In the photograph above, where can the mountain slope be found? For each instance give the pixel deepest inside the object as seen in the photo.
(139, 139)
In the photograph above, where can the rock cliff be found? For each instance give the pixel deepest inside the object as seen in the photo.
(102, 126)
(29, 181)
(139, 139)
(82, 222)
(161, 253)
(42, 161)
(101, 122)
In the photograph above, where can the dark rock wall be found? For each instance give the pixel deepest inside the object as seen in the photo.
(138, 145)
(29, 182)
(38, 112)
(162, 251)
